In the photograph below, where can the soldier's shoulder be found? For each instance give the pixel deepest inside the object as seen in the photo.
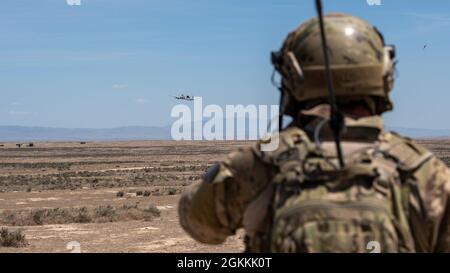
(409, 154)
(288, 136)
(273, 145)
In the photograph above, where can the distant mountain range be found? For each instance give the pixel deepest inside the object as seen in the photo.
(20, 133)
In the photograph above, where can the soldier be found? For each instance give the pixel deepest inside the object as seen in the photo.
(392, 193)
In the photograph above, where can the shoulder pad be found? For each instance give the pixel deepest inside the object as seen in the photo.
(409, 154)
(292, 136)
(287, 139)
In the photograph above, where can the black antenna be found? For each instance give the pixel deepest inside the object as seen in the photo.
(336, 117)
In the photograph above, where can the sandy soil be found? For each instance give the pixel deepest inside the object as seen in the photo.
(71, 175)
(68, 174)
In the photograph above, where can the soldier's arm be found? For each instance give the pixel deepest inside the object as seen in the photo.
(213, 209)
(434, 217)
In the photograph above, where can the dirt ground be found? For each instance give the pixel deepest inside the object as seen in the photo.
(70, 174)
(62, 175)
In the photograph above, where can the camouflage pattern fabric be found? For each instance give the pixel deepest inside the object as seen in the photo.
(405, 209)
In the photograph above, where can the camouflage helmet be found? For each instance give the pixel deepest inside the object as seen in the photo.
(361, 64)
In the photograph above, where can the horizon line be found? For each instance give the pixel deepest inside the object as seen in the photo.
(164, 126)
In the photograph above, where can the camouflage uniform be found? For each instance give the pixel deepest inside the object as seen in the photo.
(399, 194)
(237, 193)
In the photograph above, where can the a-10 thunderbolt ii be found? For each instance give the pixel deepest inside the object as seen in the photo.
(183, 97)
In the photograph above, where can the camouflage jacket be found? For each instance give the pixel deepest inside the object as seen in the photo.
(229, 196)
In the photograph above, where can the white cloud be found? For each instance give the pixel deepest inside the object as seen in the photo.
(73, 2)
(374, 2)
(119, 86)
(19, 113)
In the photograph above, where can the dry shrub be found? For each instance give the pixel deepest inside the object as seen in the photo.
(103, 214)
(100, 214)
(120, 194)
(153, 210)
(165, 191)
(12, 238)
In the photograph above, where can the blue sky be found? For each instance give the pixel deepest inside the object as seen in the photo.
(110, 63)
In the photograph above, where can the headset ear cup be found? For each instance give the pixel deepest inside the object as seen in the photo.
(388, 64)
(388, 78)
(388, 68)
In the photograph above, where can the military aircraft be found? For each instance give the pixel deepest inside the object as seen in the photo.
(183, 97)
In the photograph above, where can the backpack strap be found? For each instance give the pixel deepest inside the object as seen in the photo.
(294, 143)
(409, 157)
(408, 154)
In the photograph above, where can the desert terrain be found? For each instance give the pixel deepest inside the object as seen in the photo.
(109, 196)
